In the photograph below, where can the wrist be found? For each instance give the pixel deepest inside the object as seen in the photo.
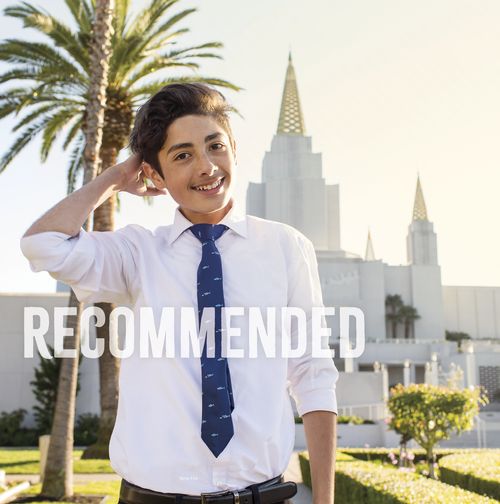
(116, 177)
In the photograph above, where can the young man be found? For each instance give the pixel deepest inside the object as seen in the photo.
(202, 424)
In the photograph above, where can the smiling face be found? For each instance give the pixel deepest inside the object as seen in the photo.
(197, 161)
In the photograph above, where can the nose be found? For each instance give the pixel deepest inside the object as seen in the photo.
(206, 166)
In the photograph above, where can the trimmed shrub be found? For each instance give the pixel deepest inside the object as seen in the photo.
(11, 432)
(344, 419)
(371, 454)
(478, 472)
(368, 483)
(353, 420)
(86, 428)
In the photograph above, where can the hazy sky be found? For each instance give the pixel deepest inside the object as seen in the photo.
(388, 89)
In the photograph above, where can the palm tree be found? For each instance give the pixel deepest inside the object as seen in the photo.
(54, 97)
(59, 469)
(393, 304)
(409, 314)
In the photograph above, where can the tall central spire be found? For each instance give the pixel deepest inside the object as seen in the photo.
(419, 208)
(291, 119)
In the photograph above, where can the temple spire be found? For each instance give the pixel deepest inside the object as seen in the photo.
(419, 209)
(291, 120)
(369, 254)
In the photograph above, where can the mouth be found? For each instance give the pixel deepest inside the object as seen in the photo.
(208, 189)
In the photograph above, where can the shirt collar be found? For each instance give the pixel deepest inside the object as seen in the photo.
(235, 220)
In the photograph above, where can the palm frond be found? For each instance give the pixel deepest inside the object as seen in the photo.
(82, 14)
(157, 65)
(8, 107)
(77, 127)
(139, 93)
(132, 47)
(37, 95)
(165, 27)
(48, 75)
(120, 18)
(148, 17)
(34, 115)
(36, 54)
(185, 52)
(52, 129)
(19, 74)
(118, 202)
(163, 41)
(75, 164)
(20, 143)
(58, 32)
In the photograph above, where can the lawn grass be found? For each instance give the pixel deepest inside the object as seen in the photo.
(110, 488)
(27, 461)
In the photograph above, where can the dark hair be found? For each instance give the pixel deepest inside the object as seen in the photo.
(163, 108)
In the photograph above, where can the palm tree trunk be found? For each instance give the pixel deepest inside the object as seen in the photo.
(100, 51)
(109, 366)
(58, 478)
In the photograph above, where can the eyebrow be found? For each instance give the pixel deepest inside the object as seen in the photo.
(185, 145)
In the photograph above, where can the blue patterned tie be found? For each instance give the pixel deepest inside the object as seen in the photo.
(217, 396)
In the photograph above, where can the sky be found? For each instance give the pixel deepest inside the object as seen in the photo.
(389, 89)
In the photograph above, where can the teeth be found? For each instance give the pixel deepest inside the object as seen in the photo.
(208, 187)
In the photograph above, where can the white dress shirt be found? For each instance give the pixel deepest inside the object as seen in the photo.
(156, 441)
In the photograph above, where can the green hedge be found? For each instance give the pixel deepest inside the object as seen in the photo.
(12, 434)
(345, 419)
(367, 483)
(478, 472)
(371, 454)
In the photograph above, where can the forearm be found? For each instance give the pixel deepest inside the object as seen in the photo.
(69, 214)
(321, 435)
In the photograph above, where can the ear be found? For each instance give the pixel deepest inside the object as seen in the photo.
(153, 175)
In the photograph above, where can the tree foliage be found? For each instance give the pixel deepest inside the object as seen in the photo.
(44, 387)
(428, 414)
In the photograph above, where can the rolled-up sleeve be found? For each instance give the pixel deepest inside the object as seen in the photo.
(311, 379)
(97, 265)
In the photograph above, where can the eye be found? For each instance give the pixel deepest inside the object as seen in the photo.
(217, 146)
(179, 156)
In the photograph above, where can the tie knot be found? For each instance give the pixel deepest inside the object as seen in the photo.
(208, 232)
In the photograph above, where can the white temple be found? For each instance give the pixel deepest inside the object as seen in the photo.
(294, 191)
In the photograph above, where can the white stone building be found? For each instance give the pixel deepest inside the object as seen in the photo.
(294, 191)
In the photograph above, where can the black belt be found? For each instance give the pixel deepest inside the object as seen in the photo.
(268, 492)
